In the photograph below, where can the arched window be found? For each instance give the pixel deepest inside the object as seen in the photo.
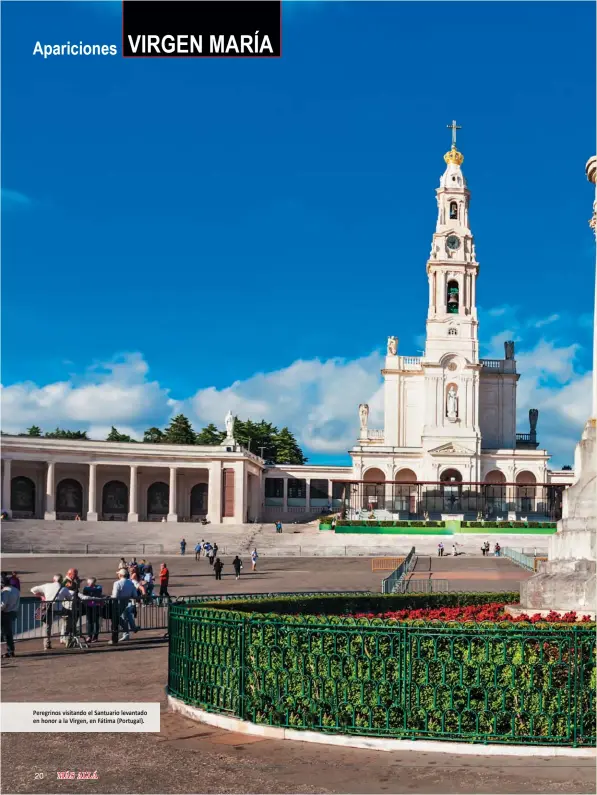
(453, 210)
(453, 332)
(453, 298)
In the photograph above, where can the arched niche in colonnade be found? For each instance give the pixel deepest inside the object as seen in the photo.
(22, 497)
(199, 500)
(374, 489)
(158, 498)
(526, 492)
(115, 500)
(495, 494)
(405, 496)
(451, 490)
(69, 498)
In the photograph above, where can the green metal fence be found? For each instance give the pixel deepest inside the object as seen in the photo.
(389, 584)
(484, 683)
(422, 585)
(526, 561)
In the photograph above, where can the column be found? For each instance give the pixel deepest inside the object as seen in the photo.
(330, 494)
(240, 493)
(307, 495)
(91, 506)
(285, 496)
(172, 515)
(6, 483)
(214, 493)
(133, 512)
(50, 512)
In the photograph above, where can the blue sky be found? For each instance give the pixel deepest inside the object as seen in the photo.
(202, 234)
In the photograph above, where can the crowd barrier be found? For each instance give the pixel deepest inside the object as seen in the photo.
(37, 619)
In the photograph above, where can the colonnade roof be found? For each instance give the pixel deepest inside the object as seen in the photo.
(31, 445)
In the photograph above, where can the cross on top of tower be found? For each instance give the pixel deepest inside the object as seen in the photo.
(454, 127)
(454, 156)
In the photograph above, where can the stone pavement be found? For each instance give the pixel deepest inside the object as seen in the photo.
(188, 576)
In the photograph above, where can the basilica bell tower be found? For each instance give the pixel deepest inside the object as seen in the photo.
(451, 361)
(452, 268)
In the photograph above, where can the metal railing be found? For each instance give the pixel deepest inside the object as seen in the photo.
(388, 584)
(526, 561)
(37, 619)
(422, 585)
(386, 564)
(480, 684)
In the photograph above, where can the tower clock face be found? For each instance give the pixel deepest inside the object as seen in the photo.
(453, 242)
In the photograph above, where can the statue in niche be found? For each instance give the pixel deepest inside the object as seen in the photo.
(533, 417)
(363, 415)
(229, 421)
(392, 346)
(509, 349)
(452, 403)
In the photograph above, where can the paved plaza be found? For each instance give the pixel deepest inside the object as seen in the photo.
(187, 576)
(189, 757)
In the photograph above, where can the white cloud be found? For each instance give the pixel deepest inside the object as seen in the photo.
(318, 400)
(546, 321)
(111, 393)
(552, 382)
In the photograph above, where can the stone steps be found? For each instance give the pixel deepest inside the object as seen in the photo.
(152, 538)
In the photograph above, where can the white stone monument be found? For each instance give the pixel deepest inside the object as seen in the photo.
(364, 419)
(229, 423)
(567, 580)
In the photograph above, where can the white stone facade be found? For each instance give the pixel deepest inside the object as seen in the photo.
(450, 410)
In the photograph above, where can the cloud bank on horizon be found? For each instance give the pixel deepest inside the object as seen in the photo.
(317, 399)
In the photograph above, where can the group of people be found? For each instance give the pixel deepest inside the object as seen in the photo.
(440, 549)
(210, 551)
(66, 599)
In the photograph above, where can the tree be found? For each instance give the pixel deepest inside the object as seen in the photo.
(153, 436)
(210, 435)
(116, 436)
(180, 431)
(287, 448)
(34, 430)
(59, 433)
(567, 467)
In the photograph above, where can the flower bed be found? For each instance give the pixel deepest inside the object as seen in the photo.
(353, 664)
(494, 611)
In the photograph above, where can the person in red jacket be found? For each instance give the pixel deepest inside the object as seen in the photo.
(164, 578)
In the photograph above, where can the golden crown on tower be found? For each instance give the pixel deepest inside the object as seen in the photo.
(454, 156)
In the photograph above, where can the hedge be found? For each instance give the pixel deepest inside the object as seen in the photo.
(269, 662)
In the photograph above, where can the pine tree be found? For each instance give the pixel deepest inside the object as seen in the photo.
(287, 448)
(153, 436)
(34, 430)
(59, 433)
(210, 435)
(180, 431)
(116, 436)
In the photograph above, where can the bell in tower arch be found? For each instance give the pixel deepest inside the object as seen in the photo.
(453, 298)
